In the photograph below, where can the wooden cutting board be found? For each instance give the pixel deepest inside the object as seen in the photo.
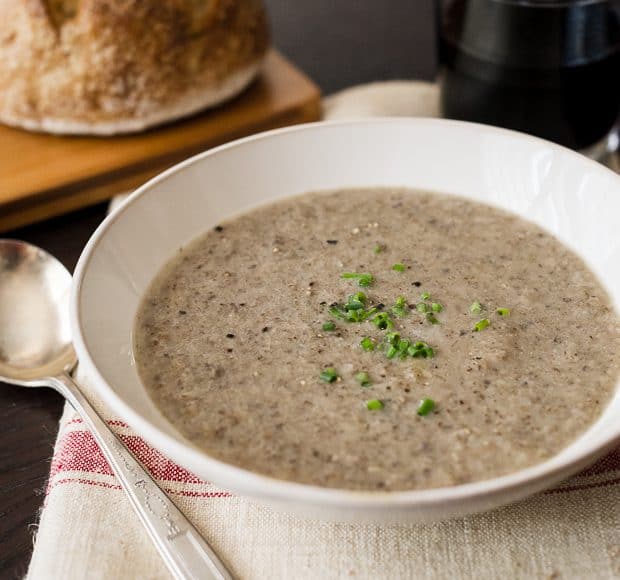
(43, 175)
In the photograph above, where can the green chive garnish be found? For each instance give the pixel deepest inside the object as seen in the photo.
(400, 307)
(363, 379)
(378, 249)
(403, 349)
(356, 301)
(354, 310)
(481, 324)
(425, 296)
(425, 407)
(329, 375)
(391, 352)
(392, 338)
(329, 326)
(382, 321)
(363, 280)
(420, 350)
(475, 308)
(398, 267)
(367, 344)
(503, 311)
(436, 307)
(421, 307)
(374, 405)
(431, 318)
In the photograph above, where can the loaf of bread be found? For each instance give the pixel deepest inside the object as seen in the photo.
(117, 66)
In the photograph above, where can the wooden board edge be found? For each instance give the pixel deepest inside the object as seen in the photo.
(53, 204)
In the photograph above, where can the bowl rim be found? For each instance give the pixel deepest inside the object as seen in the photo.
(254, 484)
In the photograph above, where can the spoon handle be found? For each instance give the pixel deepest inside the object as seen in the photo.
(186, 553)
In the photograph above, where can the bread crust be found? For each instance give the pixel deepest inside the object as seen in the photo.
(116, 66)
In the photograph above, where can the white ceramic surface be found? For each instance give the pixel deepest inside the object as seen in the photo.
(574, 198)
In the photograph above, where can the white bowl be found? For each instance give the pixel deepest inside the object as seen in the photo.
(576, 199)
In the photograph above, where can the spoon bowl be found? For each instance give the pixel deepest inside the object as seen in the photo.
(35, 341)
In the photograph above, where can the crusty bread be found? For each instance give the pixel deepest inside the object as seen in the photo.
(117, 66)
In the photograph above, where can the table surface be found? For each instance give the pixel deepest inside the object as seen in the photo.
(338, 44)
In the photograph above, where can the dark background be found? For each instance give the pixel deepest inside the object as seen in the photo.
(339, 43)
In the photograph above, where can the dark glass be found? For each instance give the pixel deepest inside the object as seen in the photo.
(547, 68)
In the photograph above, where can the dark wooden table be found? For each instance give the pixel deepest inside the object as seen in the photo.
(339, 44)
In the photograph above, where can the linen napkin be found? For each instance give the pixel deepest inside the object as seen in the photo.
(88, 530)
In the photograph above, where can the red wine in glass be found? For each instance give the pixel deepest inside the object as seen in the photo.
(550, 68)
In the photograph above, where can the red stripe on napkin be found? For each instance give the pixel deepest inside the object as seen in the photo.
(78, 451)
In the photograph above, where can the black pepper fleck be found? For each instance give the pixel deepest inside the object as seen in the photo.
(265, 328)
(417, 284)
(332, 242)
(218, 228)
(230, 335)
(182, 311)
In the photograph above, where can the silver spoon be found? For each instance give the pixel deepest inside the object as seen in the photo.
(36, 351)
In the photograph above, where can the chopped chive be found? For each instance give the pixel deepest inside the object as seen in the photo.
(425, 407)
(421, 307)
(363, 379)
(475, 308)
(329, 326)
(403, 345)
(503, 311)
(360, 297)
(392, 338)
(354, 310)
(367, 344)
(425, 296)
(356, 301)
(424, 350)
(431, 318)
(374, 405)
(378, 249)
(403, 348)
(392, 352)
(329, 375)
(398, 267)
(382, 321)
(400, 307)
(420, 350)
(481, 324)
(436, 307)
(337, 311)
(363, 280)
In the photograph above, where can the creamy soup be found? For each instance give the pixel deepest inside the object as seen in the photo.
(378, 339)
